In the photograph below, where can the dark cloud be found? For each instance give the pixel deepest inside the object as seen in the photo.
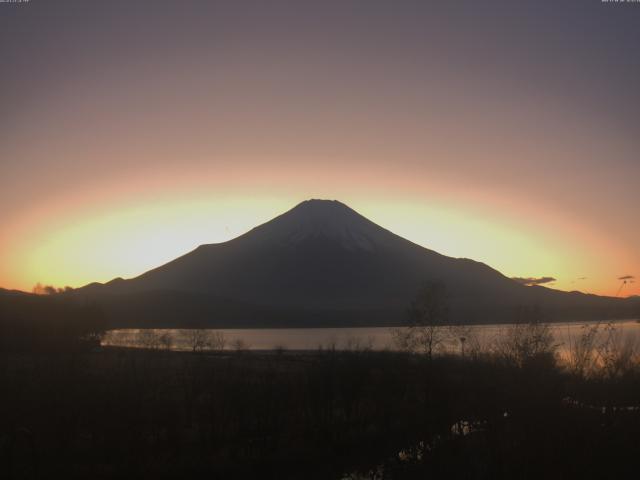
(626, 277)
(530, 281)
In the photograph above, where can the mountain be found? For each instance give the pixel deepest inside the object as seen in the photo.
(12, 293)
(322, 263)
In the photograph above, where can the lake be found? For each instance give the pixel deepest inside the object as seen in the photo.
(375, 338)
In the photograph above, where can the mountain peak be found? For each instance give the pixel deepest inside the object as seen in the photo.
(321, 204)
(329, 219)
(321, 201)
(316, 206)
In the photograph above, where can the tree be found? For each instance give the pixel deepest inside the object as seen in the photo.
(40, 289)
(166, 340)
(217, 340)
(239, 345)
(199, 339)
(428, 315)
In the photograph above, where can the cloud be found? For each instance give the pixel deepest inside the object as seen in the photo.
(627, 277)
(530, 281)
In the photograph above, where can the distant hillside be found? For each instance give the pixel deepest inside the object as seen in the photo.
(59, 322)
(5, 292)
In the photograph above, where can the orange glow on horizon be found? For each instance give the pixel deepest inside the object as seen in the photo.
(74, 243)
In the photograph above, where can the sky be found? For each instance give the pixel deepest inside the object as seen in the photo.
(506, 132)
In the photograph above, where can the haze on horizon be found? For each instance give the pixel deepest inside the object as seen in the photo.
(506, 132)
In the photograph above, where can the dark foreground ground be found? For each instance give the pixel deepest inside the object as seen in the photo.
(321, 415)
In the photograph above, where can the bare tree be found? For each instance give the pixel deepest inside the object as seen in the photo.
(200, 339)
(428, 315)
(197, 339)
(217, 340)
(239, 345)
(166, 340)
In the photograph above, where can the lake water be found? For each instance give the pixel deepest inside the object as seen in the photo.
(375, 338)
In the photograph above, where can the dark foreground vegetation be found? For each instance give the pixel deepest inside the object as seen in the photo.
(162, 414)
(71, 409)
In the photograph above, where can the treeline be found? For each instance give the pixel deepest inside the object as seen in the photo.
(46, 323)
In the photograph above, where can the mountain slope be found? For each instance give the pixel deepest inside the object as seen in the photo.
(320, 260)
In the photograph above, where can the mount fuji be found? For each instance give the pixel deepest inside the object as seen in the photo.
(323, 264)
